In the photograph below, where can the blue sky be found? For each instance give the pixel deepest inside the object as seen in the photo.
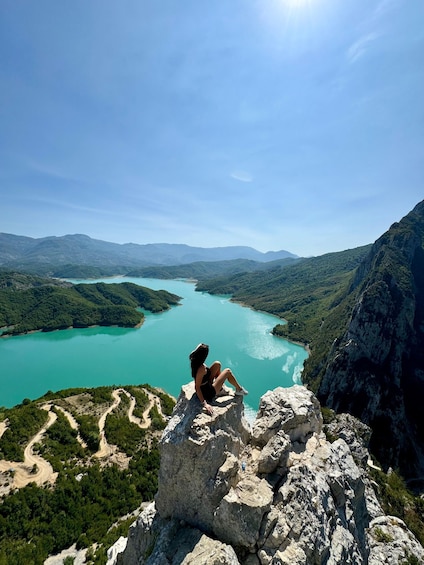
(278, 124)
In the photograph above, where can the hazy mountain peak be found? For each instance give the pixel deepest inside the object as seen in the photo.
(20, 251)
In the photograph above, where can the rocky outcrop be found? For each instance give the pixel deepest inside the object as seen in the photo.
(275, 492)
(375, 371)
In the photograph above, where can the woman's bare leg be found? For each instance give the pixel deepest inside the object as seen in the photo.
(215, 370)
(226, 374)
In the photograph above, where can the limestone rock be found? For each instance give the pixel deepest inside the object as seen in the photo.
(298, 415)
(392, 543)
(319, 512)
(375, 369)
(243, 508)
(279, 493)
(355, 433)
(275, 453)
(118, 547)
(199, 457)
(155, 541)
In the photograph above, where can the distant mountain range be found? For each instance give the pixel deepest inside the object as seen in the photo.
(20, 252)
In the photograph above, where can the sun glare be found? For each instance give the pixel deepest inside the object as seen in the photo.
(299, 12)
(294, 26)
(293, 6)
(297, 3)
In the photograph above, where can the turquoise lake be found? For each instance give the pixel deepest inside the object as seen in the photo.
(156, 353)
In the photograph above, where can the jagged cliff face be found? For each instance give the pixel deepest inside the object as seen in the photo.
(376, 370)
(276, 492)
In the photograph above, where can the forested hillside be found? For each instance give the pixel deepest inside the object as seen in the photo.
(201, 270)
(11, 280)
(197, 270)
(31, 303)
(96, 460)
(303, 293)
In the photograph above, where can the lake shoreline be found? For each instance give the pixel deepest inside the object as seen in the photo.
(305, 346)
(41, 330)
(157, 353)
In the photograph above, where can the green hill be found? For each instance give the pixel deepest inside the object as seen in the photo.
(303, 293)
(29, 303)
(201, 270)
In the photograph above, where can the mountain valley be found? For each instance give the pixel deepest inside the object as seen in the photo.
(360, 312)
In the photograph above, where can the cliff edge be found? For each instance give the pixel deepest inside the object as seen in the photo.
(375, 371)
(274, 492)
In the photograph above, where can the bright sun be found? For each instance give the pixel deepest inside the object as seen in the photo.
(299, 6)
(297, 3)
(294, 21)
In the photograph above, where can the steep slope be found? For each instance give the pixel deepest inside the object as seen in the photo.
(277, 492)
(303, 293)
(375, 369)
(362, 313)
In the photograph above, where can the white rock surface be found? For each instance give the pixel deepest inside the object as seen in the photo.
(279, 493)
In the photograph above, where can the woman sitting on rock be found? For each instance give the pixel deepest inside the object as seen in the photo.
(209, 380)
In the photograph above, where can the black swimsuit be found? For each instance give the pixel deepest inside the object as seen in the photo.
(206, 387)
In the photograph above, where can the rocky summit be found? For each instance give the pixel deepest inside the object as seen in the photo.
(275, 491)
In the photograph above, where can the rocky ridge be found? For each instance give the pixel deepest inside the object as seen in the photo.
(274, 492)
(375, 371)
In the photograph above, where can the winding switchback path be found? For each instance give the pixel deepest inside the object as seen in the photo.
(104, 447)
(146, 420)
(43, 471)
(73, 423)
(36, 469)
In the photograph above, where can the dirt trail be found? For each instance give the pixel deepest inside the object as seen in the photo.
(371, 464)
(133, 419)
(23, 474)
(73, 423)
(159, 406)
(146, 420)
(104, 447)
(3, 427)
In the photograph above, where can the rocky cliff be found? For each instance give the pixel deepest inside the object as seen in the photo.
(375, 371)
(273, 492)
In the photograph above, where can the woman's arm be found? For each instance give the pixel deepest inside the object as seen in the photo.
(197, 383)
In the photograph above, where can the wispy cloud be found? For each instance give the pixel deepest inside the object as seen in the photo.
(67, 205)
(361, 46)
(384, 6)
(47, 170)
(242, 176)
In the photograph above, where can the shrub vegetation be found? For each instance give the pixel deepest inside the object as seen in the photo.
(398, 500)
(30, 303)
(88, 497)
